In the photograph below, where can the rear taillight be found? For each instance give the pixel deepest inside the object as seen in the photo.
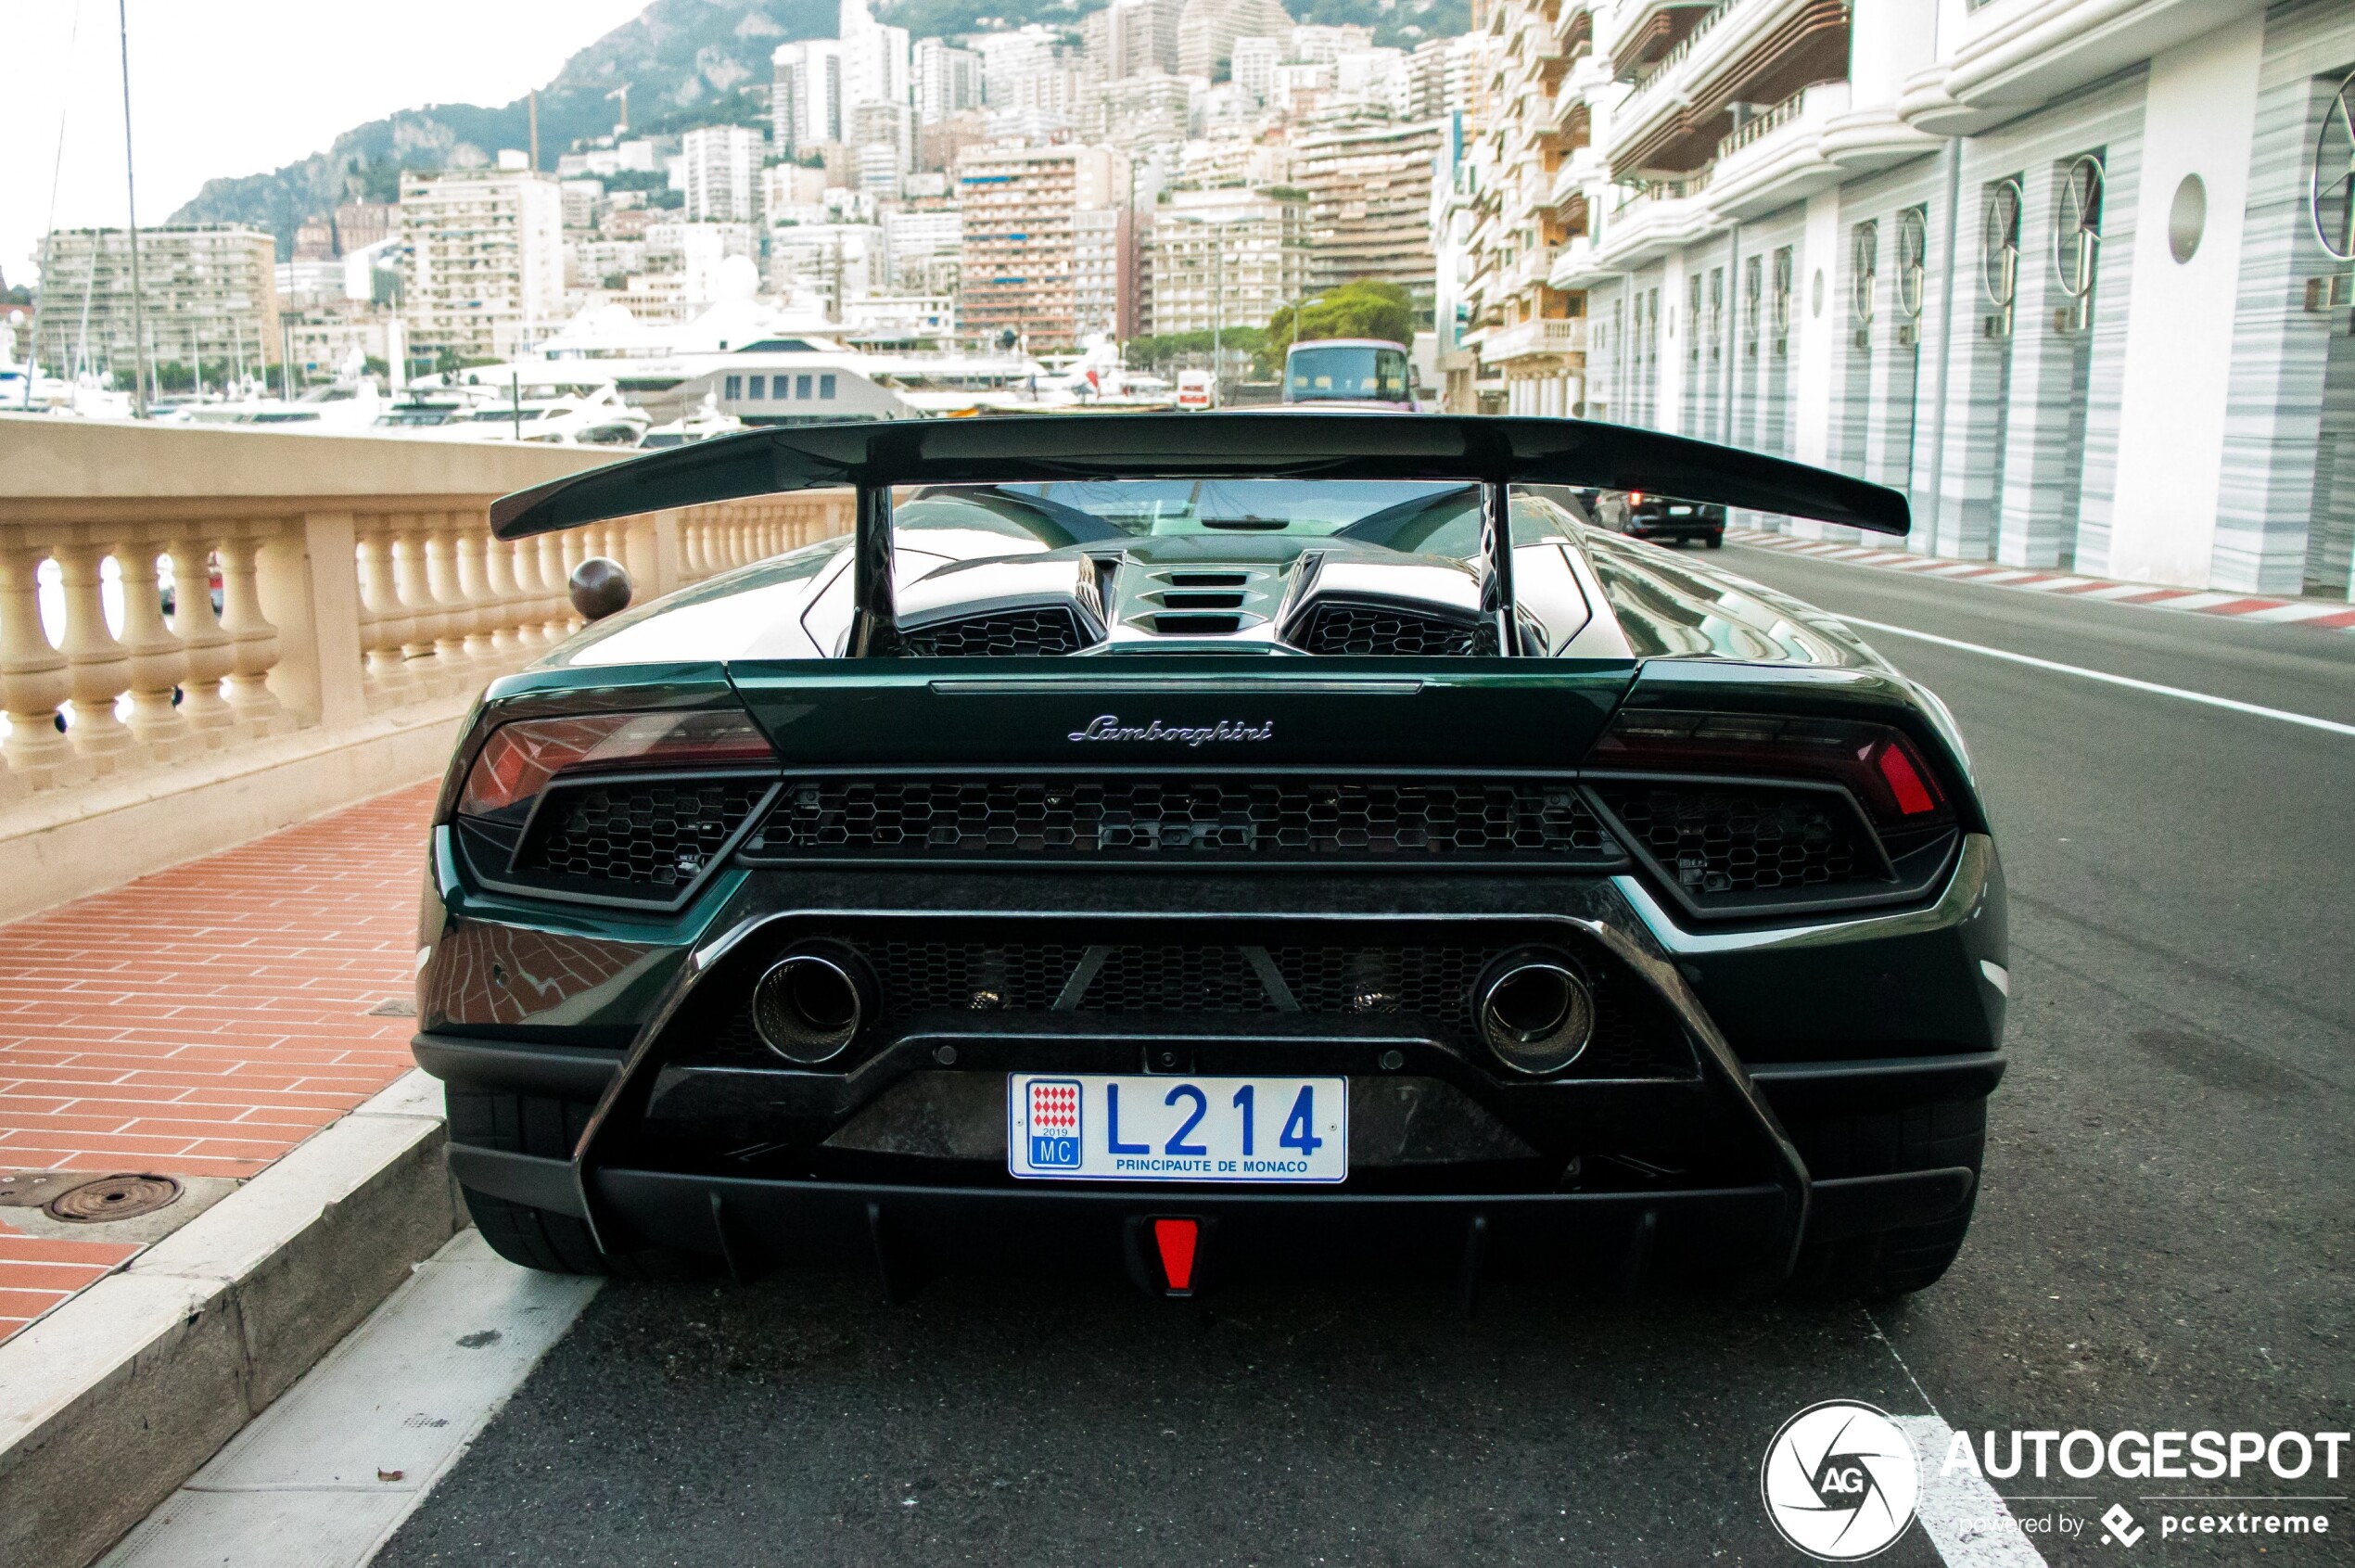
(519, 761)
(1879, 765)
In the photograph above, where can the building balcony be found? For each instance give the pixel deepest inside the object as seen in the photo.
(1533, 339)
(1778, 158)
(1575, 268)
(1658, 218)
(1574, 176)
(1529, 269)
(1635, 33)
(1744, 52)
(2015, 56)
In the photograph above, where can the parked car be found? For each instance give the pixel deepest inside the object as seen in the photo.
(1666, 519)
(1197, 390)
(1201, 844)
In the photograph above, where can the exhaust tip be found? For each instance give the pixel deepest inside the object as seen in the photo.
(1536, 1013)
(809, 1005)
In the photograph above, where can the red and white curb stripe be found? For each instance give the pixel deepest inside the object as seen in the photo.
(2331, 615)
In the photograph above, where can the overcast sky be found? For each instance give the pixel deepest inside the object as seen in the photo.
(240, 87)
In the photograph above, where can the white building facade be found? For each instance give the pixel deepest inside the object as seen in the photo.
(487, 264)
(2077, 277)
(722, 168)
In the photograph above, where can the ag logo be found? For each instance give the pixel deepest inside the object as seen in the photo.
(1840, 1481)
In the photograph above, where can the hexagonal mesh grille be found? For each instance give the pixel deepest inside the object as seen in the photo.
(1729, 841)
(653, 836)
(1424, 988)
(1046, 630)
(1127, 817)
(1338, 627)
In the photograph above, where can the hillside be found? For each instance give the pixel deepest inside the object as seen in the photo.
(686, 62)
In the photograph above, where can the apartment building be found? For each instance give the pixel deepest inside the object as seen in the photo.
(487, 261)
(208, 294)
(1150, 109)
(2077, 279)
(1207, 31)
(1105, 275)
(1228, 258)
(721, 165)
(1131, 37)
(1368, 182)
(948, 78)
(805, 101)
(1020, 206)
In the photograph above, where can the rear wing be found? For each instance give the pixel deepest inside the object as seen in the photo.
(1493, 453)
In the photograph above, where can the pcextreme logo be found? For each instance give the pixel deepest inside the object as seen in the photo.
(1840, 1481)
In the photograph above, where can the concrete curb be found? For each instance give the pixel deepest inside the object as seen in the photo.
(107, 1404)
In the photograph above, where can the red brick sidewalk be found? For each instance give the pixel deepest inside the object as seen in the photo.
(204, 1021)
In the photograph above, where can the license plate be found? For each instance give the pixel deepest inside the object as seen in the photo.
(1680, 510)
(1100, 1127)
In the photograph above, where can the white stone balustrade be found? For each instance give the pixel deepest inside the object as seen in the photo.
(207, 632)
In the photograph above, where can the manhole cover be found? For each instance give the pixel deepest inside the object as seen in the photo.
(113, 1197)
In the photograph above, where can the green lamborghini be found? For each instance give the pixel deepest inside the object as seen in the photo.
(1210, 845)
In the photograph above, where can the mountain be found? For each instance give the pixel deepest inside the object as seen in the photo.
(685, 62)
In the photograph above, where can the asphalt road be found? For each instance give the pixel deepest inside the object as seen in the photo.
(2163, 1241)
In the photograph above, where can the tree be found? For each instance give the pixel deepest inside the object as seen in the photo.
(1362, 308)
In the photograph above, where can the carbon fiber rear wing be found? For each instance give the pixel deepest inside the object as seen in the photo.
(1495, 452)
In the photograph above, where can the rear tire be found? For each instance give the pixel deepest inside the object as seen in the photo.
(530, 1123)
(1715, 541)
(1897, 1262)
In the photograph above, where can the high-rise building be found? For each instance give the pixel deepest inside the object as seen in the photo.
(886, 125)
(1020, 207)
(806, 105)
(1228, 258)
(1010, 59)
(487, 261)
(722, 171)
(1131, 37)
(875, 57)
(1144, 111)
(1104, 272)
(1324, 45)
(207, 295)
(947, 78)
(1255, 59)
(1368, 185)
(1207, 31)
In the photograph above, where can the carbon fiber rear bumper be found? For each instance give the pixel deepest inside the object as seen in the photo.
(1623, 1239)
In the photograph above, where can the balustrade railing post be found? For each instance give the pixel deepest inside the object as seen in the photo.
(483, 609)
(510, 632)
(33, 678)
(422, 622)
(209, 652)
(98, 668)
(253, 635)
(442, 581)
(384, 620)
(157, 663)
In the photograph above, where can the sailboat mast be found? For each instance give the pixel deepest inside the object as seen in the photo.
(130, 194)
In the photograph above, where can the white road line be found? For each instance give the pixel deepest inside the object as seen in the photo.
(327, 1473)
(1964, 1520)
(2308, 721)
